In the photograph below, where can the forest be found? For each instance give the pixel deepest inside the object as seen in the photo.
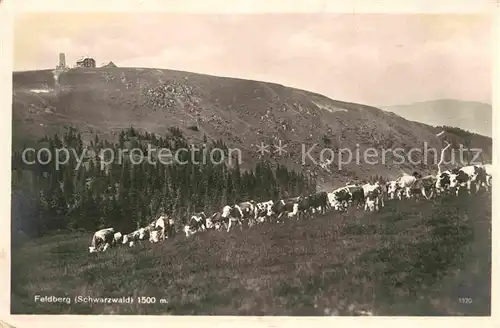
(127, 194)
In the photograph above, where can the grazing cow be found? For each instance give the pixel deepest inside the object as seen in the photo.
(373, 196)
(483, 179)
(151, 233)
(312, 203)
(170, 228)
(304, 206)
(197, 222)
(117, 238)
(137, 235)
(383, 188)
(340, 198)
(249, 211)
(405, 183)
(161, 225)
(154, 236)
(216, 221)
(188, 231)
(158, 229)
(443, 182)
(262, 209)
(466, 176)
(357, 195)
(393, 190)
(232, 214)
(209, 223)
(488, 168)
(425, 186)
(289, 206)
(102, 240)
(319, 200)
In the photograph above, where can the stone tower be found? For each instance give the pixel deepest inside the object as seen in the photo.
(62, 61)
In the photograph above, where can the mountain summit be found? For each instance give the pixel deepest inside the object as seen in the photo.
(242, 113)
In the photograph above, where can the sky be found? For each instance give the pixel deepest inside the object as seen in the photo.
(375, 59)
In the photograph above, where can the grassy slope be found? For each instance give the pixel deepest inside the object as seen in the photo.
(241, 112)
(412, 258)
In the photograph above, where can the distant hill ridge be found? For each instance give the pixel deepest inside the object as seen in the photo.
(468, 115)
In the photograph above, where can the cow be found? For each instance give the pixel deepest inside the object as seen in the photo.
(158, 229)
(466, 176)
(393, 190)
(262, 210)
(340, 198)
(197, 222)
(488, 168)
(139, 234)
(303, 206)
(383, 190)
(151, 233)
(102, 240)
(117, 238)
(404, 183)
(443, 182)
(216, 221)
(170, 228)
(373, 196)
(188, 231)
(232, 214)
(288, 206)
(484, 176)
(312, 203)
(319, 200)
(249, 211)
(425, 186)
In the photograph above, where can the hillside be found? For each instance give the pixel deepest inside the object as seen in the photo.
(468, 115)
(411, 258)
(243, 113)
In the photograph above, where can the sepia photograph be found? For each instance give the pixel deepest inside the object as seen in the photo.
(252, 164)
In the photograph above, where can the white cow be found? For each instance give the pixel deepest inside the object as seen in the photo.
(188, 231)
(393, 190)
(294, 212)
(404, 183)
(132, 237)
(488, 168)
(158, 229)
(466, 176)
(117, 238)
(154, 236)
(209, 223)
(198, 222)
(373, 196)
(339, 198)
(102, 240)
(233, 214)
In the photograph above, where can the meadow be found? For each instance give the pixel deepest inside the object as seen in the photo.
(412, 258)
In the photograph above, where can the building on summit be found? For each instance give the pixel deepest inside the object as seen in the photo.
(86, 62)
(62, 61)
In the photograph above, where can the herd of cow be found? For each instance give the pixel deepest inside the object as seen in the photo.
(369, 195)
